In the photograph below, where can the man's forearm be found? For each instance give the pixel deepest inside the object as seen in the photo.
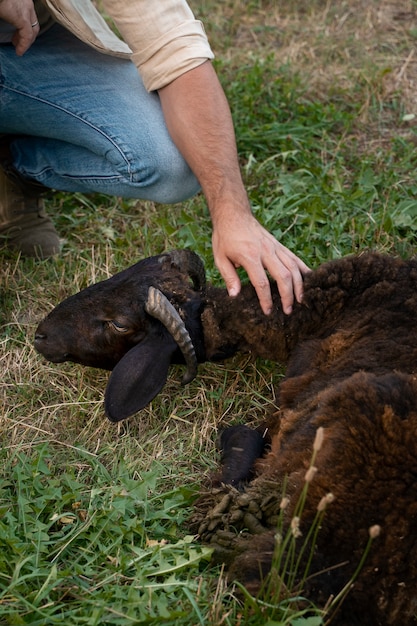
(200, 123)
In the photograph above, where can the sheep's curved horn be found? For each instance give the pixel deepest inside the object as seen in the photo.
(189, 262)
(158, 306)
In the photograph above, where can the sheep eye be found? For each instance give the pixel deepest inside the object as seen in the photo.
(119, 328)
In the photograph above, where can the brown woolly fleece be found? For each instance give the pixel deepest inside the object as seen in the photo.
(351, 369)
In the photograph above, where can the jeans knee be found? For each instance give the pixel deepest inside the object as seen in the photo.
(165, 178)
(173, 181)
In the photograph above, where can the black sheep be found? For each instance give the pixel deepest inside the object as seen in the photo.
(351, 355)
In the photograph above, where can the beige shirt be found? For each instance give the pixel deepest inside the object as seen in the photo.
(162, 37)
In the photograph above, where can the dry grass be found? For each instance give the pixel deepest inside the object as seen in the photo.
(334, 46)
(63, 403)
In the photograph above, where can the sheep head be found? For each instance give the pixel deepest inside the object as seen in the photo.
(135, 323)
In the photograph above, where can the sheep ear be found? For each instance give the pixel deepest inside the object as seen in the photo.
(138, 377)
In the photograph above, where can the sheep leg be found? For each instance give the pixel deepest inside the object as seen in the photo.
(240, 447)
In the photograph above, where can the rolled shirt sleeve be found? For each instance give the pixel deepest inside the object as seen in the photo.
(165, 38)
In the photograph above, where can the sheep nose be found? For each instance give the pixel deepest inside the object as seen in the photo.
(39, 339)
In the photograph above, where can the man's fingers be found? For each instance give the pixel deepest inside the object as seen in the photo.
(259, 253)
(288, 271)
(24, 37)
(288, 275)
(230, 277)
(22, 16)
(298, 281)
(290, 284)
(259, 280)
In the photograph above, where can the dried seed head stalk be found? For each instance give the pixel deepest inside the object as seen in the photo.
(327, 499)
(278, 539)
(284, 503)
(295, 527)
(318, 440)
(374, 531)
(310, 473)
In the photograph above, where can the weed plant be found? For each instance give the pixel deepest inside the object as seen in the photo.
(281, 598)
(92, 515)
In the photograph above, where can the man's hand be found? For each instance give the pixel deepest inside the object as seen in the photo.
(22, 15)
(247, 244)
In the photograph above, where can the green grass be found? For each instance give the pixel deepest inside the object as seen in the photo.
(92, 515)
(83, 544)
(311, 183)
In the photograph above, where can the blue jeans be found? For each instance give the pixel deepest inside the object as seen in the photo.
(86, 123)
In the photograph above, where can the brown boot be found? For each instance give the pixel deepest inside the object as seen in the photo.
(24, 225)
